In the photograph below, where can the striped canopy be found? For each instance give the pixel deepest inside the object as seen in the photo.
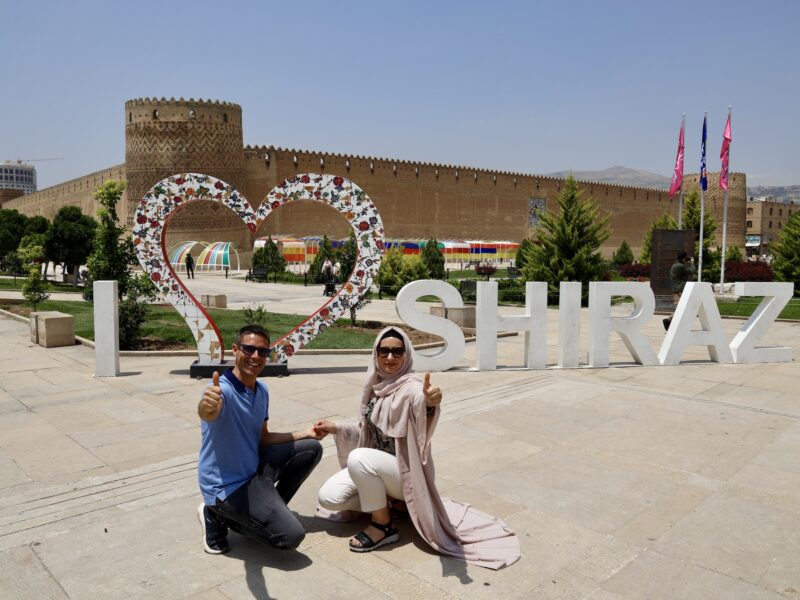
(218, 257)
(177, 255)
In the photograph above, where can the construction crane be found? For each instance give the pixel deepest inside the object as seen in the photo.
(30, 160)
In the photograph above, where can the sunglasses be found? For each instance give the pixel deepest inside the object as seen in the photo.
(249, 350)
(384, 352)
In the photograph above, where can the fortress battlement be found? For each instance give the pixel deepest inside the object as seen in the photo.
(181, 102)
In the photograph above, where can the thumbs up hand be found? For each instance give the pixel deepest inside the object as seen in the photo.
(212, 401)
(433, 395)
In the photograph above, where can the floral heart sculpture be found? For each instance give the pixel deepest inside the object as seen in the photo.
(170, 194)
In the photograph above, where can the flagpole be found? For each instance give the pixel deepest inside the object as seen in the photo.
(725, 219)
(702, 202)
(680, 197)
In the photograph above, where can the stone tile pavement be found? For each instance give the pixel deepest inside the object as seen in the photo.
(623, 483)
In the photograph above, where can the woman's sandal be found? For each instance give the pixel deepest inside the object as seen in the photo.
(390, 536)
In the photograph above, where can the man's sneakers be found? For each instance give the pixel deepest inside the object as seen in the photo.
(215, 532)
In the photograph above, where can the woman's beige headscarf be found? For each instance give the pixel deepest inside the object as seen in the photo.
(393, 391)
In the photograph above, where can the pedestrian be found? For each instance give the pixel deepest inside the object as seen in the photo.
(247, 473)
(189, 265)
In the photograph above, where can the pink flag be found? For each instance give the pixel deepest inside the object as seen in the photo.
(677, 174)
(725, 154)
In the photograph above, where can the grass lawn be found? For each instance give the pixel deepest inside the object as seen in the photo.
(744, 307)
(10, 284)
(164, 323)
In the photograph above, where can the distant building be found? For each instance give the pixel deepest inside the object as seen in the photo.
(17, 176)
(764, 220)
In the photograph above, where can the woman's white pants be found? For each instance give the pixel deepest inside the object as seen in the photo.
(370, 476)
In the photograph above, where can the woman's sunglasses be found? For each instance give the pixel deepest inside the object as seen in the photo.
(249, 350)
(384, 352)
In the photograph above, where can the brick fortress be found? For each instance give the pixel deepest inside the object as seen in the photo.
(416, 200)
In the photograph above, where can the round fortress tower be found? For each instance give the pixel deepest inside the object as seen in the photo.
(164, 137)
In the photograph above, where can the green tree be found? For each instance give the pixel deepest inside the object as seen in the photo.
(112, 254)
(12, 228)
(691, 220)
(734, 254)
(269, 258)
(786, 253)
(570, 242)
(111, 260)
(70, 239)
(662, 222)
(324, 251)
(34, 288)
(31, 248)
(433, 259)
(13, 265)
(623, 256)
(36, 224)
(346, 255)
(522, 252)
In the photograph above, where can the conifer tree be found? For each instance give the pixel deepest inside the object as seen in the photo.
(623, 256)
(786, 253)
(662, 222)
(570, 241)
(269, 258)
(522, 252)
(433, 259)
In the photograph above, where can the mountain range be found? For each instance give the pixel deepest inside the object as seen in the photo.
(637, 178)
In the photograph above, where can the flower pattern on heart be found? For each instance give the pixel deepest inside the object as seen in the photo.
(168, 195)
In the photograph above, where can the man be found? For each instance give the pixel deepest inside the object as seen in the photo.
(248, 473)
(189, 266)
(681, 271)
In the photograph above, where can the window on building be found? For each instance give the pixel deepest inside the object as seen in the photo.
(750, 210)
(155, 113)
(780, 212)
(192, 114)
(749, 224)
(770, 212)
(770, 224)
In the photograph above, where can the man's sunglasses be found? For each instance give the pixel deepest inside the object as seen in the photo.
(249, 350)
(384, 352)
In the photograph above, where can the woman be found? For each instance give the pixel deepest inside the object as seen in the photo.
(387, 455)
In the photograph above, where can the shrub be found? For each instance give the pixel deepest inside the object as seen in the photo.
(635, 270)
(748, 271)
(133, 309)
(485, 270)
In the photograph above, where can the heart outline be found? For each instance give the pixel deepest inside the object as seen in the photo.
(165, 198)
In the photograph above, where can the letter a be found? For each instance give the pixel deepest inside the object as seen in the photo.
(697, 301)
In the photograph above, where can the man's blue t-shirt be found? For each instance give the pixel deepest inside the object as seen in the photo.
(229, 446)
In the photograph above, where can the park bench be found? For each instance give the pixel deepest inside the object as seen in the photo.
(257, 274)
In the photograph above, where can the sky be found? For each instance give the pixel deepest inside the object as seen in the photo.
(531, 87)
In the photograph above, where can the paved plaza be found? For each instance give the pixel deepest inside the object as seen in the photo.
(622, 483)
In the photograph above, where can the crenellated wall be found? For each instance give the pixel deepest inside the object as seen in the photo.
(416, 200)
(75, 192)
